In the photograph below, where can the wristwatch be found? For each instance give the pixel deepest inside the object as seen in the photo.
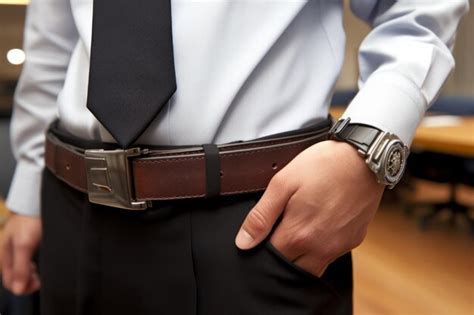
(384, 153)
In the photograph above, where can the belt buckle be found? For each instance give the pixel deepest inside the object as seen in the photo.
(109, 178)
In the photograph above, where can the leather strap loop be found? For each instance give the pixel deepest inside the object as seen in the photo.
(213, 170)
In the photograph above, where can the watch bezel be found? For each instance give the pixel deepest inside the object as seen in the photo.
(378, 155)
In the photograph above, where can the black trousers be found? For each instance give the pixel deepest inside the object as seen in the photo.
(177, 257)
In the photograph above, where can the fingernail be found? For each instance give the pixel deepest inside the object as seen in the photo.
(244, 240)
(17, 287)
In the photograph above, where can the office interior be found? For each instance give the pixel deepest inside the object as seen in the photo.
(418, 257)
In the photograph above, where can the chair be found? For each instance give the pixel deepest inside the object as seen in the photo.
(343, 97)
(444, 168)
(441, 168)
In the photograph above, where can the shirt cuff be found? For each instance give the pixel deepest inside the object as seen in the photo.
(391, 102)
(25, 190)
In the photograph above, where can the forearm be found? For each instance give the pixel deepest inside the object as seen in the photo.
(49, 38)
(404, 61)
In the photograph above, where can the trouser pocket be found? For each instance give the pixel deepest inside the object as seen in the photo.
(292, 267)
(293, 289)
(257, 281)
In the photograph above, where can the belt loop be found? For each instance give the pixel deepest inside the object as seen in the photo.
(213, 170)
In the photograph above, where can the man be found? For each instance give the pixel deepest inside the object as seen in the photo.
(243, 70)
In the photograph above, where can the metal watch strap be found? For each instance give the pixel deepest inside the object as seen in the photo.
(359, 135)
(384, 153)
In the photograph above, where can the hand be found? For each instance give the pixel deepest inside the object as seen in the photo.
(326, 197)
(21, 238)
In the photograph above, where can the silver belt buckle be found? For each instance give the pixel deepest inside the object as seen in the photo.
(109, 178)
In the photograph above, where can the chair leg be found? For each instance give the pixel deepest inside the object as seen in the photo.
(463, 211)
(451, 204)
(470, 221)
(425, 220)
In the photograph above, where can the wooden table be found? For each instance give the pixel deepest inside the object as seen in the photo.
(4, 213)
(455, 139)
(3, 217)
(3, 208)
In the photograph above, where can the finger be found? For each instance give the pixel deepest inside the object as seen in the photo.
(310, 264)
(323, 270)
(21, 267)
(7, 263)
(260, 220)
(33, 285)
(283, 240)
(34, 281)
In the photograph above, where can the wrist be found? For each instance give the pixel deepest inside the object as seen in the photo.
(384, 153)
(350, 156)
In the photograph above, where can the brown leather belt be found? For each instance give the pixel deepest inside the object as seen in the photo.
(132, 178)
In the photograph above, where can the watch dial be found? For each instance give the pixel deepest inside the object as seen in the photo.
(394, 163)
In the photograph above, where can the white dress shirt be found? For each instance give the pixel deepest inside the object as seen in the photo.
(244, 69)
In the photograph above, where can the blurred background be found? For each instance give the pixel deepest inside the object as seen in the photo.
(418, 257)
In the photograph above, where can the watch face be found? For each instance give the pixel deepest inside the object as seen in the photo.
(395, 162)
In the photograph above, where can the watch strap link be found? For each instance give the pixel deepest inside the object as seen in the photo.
(359, 135)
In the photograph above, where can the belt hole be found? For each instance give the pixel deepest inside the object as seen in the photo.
(221, 173)
(274, 166)
(67, 166)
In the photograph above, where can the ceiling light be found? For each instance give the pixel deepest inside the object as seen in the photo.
(16, 56)
(17, 2)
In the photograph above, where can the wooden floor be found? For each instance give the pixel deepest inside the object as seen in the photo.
(401, 270)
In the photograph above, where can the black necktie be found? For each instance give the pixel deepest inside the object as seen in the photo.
(131, 69)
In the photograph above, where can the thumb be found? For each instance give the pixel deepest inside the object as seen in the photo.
(260, 220)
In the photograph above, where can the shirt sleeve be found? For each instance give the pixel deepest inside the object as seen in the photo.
(403, 61)
(49, 38)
